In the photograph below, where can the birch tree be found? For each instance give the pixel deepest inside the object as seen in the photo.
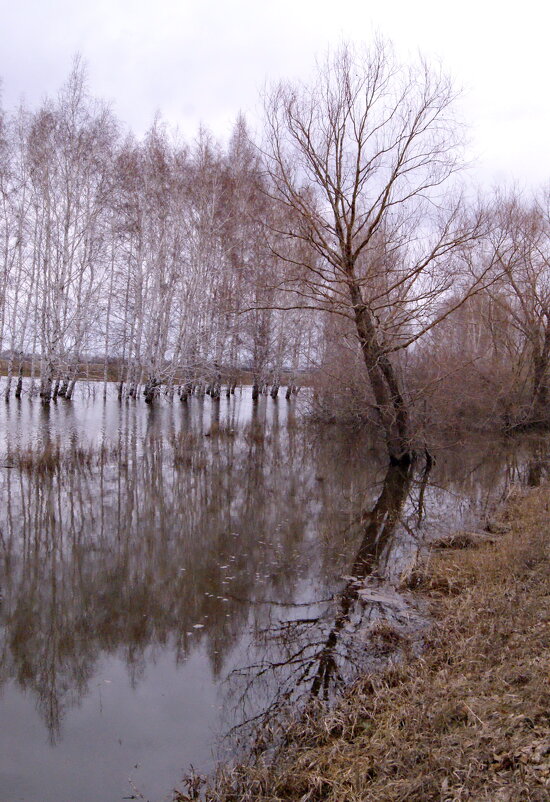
(70, 145)
(19, 266)
(522, 292)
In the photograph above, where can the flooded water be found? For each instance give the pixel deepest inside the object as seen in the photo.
(172, 574)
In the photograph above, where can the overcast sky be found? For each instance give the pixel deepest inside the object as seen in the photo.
(204, 60)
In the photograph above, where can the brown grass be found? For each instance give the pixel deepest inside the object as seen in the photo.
(469, 720)
(50, 458)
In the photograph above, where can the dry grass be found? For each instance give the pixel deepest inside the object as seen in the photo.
(51, 458)
(469, 720)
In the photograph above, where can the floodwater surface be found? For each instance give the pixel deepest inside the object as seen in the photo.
(170, 575)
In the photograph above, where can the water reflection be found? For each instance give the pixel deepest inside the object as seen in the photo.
(316, 649)
(139, 554)
(215, 536)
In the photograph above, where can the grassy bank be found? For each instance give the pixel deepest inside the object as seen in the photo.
(468, 720)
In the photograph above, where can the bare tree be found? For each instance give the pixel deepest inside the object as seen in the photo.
(69, 151)
(522, 292)
(362, 157)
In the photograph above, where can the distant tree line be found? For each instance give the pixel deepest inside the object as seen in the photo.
(151, 254)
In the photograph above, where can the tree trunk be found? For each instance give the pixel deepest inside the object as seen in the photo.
(70, 388)
(391, 405)
(150, 390)
(64, 387)
(46, 381)
(19, 387)
(255, 389)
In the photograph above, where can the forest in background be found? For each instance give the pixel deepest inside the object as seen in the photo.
(342, 246)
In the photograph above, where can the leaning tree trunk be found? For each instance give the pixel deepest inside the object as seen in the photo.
(391, 405)
(70, 389)
(70, 380)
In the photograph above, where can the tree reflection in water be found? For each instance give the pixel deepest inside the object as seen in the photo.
(318, 648)
(191, 532)
(144, 543)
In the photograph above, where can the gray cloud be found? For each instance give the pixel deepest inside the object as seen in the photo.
(204, 61)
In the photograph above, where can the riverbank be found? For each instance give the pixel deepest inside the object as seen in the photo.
(468, 720)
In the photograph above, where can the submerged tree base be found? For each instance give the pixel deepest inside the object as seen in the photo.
(467, 720)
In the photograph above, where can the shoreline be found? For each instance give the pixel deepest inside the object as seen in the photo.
(466, 720)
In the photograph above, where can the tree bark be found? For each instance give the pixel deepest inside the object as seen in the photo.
(391, 405)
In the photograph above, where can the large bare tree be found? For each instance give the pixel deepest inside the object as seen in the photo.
(363, 157)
